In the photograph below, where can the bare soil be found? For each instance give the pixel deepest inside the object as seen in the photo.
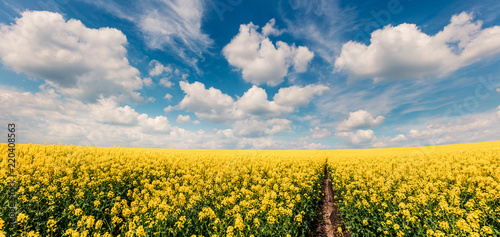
(328, 227)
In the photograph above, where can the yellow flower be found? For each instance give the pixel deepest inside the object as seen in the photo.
(365, 222)
(140, 231)
(22, 218)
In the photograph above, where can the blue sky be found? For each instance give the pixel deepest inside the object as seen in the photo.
(237, 74)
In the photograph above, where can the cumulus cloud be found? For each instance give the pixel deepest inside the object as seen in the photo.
(358, 137)
(208, 104)
(157, 68)
(262, 62)
(259, 128)
(255, 102)
(80, 62)
(55, 119)
(399, 138)
(319, 133)
(168, 96)
(183, 118)
(298, 96)
(498, 113)
(166, 82)
(214, 106)
(359, 120)
(404, 51)
(165, 73)
(148, 81)
(270, 29)
(159, 124)
(108, 111)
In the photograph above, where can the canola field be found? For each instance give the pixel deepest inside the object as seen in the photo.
(429, 191)
(87, 191)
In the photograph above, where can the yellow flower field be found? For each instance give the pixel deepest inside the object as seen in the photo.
(87, 191)
(90, 191)
(429, 191)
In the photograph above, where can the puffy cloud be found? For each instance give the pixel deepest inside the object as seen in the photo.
(269, 29)
(157, 68)
(168, 96)
(159, 124)
(166, 73)
(318, 133)
(275, 126)
(360, 119)
(255, 102)
(399, 138)
(298, 96)
(260, 61)
(148, 81)
(78, 61)
(214, 106)
(498, 113)
(207, 104)
(108, 111)
(166, 82)
(53, 118)
(183, 118)
(404, 51)
(259, 128)
(498, 90)
(357, 138)
(301, 59)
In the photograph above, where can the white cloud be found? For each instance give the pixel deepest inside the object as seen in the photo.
(319, 23)
(301, 59)
(168, 108)
(183, 118)
(157, 68)
(360, 119)
(147, 81)
(275, 126)
(166, 82)
(358, 138)
(399, 138)
(259, 143)
(207, 104)
(260, 61)
(108, 111)
(78, 61)
(498, 113)
(214, 106)
(302, 144)
(298, 96)
(318, 133)
(404, 51)
(269, 29)
(498, 90)
(52, 118)
(154, 125)
(255, 102)
(172, 26)
(168, 96)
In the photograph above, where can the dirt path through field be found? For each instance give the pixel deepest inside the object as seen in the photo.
(329, 209)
